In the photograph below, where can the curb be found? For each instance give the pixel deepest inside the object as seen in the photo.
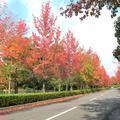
(7, 110)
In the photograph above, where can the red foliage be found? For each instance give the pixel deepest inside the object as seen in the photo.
(71, 47)
(103, 78)
(45, 26)
(46, 54)
(117, 76)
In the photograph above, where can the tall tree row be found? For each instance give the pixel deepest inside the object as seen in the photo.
(46, 60)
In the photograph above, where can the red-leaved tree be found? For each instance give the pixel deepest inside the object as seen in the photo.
(43, 40)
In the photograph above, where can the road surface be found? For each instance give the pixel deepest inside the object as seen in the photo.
(103, 105)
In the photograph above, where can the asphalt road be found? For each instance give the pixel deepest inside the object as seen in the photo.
(103, 105)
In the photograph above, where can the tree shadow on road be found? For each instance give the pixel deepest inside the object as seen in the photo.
(102, 109)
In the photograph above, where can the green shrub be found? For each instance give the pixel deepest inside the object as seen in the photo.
(17, 99)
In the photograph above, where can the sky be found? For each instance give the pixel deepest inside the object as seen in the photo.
(95, 33)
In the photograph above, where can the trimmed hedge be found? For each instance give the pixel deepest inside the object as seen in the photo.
(17, 99)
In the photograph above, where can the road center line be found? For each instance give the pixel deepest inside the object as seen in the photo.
(92, 99)
(61, 113)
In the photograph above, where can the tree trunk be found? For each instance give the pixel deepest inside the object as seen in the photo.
(9, 86)
(15, 87)
(43, 89)
(71, 88)
(78, 87)
(81, 87)
(86, 86)
(66, 87)
(59, 87)
(54, 89)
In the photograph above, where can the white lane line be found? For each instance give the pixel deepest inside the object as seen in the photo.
(92, 99)
(101, 95)
(61, 113)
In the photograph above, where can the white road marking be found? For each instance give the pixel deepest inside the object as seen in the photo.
(92, 99)
(101, 94)
(61, 113)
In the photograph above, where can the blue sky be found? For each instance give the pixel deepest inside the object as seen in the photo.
(18, 8)
(95, 33)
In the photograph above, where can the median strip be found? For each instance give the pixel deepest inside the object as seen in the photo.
(10, 109)
(15, 102)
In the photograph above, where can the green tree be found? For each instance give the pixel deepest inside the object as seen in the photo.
(116, 52)
(85, 8)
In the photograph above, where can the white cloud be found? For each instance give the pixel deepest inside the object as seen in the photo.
(95, 33)
(3, 1)
(33, 8)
